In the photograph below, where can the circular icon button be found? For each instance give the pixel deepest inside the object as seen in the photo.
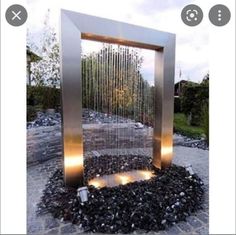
(219, 15)
(16, 15)
(192, 15)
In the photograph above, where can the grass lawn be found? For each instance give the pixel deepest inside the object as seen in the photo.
(182, 127)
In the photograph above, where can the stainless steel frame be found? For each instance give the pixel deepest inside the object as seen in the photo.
(76, 26)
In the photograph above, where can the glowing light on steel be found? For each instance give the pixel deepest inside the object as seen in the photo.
(167, 155)
(97, 183)
(121, 178)
(146, 174)
(73, 162)
(124, 179)
(167, 150)
(74, 169)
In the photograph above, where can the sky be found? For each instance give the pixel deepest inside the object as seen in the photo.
(164, 15)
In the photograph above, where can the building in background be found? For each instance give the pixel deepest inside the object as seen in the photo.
(31, 57)
(179, 86)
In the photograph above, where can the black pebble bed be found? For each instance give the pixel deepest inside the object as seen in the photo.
(150, 205)
(110, 164)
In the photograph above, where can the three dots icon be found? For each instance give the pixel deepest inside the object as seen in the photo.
(219, 15)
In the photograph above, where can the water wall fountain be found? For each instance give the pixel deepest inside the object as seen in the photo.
(118, 100)
(110, 82)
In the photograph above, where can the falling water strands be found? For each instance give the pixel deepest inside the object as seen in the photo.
(108, 86)
(113, 84)
(90, 78)
(132, 83)
(93, 81)
(103, 84)
(119, 97)
(116, 97)
(96, 85)
(100, 88)
(117, 101)
(102, 79)
(125, 84)
(87, 79)
(123, 79)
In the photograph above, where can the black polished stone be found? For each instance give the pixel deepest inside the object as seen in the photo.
(150, 205)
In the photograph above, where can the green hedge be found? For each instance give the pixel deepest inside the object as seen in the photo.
(31, 113)
(177, 105)
(192, 101)
(45, 97)
(205, 121)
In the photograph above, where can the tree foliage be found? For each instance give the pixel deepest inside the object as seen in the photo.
(112, 83)
(46, 71)
(194, 97)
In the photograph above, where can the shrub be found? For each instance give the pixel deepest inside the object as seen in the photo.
(192, 101)
(34, 95)
(51, 98)
(205, 120)
(177, 105)
(31, 113)
(45, 97)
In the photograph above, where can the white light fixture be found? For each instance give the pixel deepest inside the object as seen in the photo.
(82, 192)
(189, 169)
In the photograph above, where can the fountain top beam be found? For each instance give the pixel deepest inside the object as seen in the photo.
(76, 26)
(104, 30)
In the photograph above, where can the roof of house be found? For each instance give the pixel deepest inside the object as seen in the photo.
(184, 82)
(33, 56)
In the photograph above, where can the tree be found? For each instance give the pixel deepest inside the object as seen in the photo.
(112, 83)
(47, 71)
(205, 80)
(194, 97)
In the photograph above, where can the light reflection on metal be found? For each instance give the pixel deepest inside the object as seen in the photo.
(146, 174)
(73, 161)
(97, 182)
(76, 26)
(121, 178)
(124, 179)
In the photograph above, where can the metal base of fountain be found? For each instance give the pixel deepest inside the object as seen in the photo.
(121, 178)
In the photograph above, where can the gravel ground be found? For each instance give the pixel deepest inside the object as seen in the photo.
(150, 205)
(38, 176)
(89, 117)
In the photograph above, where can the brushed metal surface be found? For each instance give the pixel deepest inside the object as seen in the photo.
(71, 85)
(76, 26)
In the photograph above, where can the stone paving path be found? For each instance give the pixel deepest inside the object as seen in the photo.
(38, 175)
(44, 143)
